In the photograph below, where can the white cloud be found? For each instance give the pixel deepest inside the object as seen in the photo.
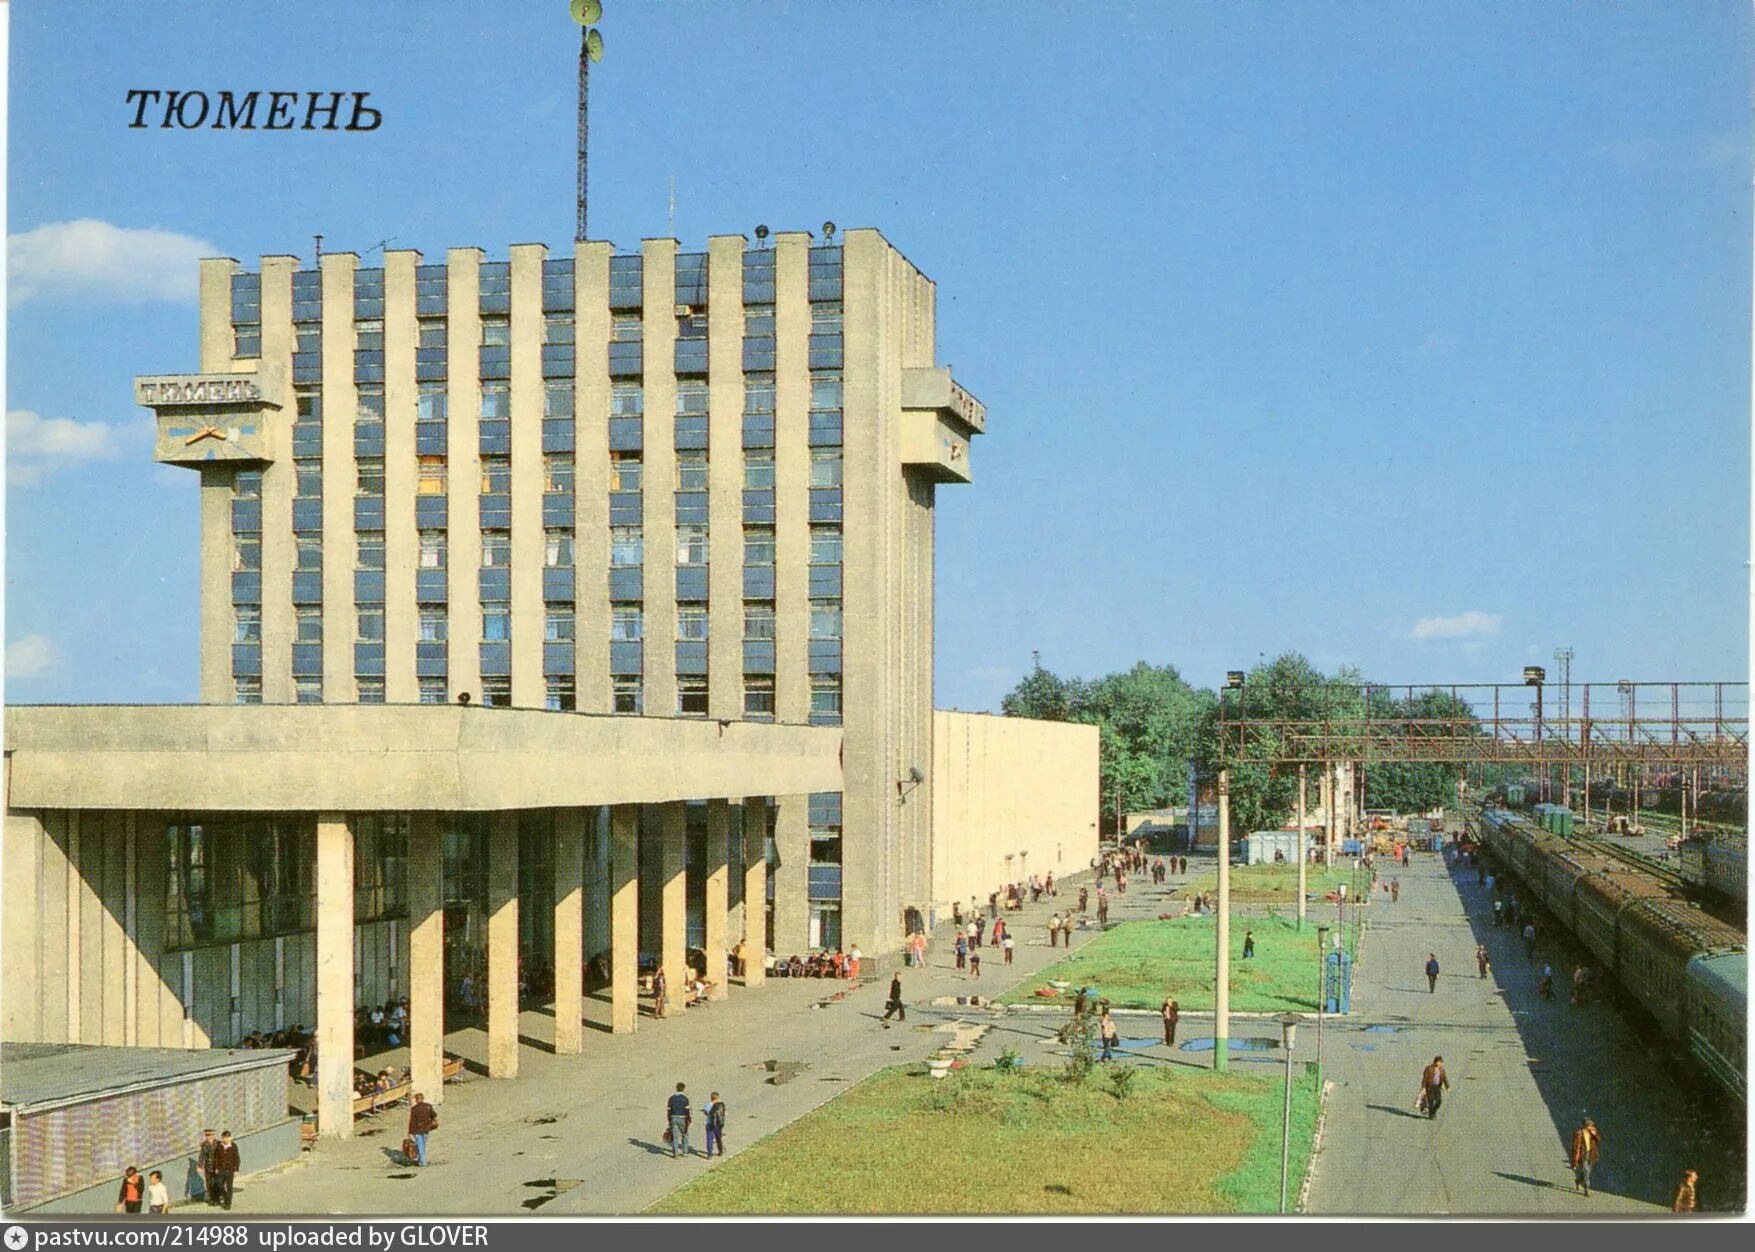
(37, 446)
(1462, 626)
(31, 657)
(96, 260)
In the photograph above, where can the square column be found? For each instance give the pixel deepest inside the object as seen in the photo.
(502, 937)
(718, 873)
(673, 914)
(624, 917)
(755, 888)
(335, 1004)
(792, 875)
(426, 956)
(569, 863)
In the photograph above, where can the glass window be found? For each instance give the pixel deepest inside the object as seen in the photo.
(825, 391)
(624, 471)
(310, 550)
(307, 623)
(559, 697)
(625, 327)
(557, 623)
(434, 627)
(370, 623)
(496, 330)
(496, 693)
(432, 476)
(432, 404)
(558, 547)
(691, 695)
(758, 469)
(368, 334)
(758, 695)
(496, 621)
(758, 320)
(247, 690)
(626, 694)
(825, 467)
(433, 547)
(432, 690)
(248, 622)
(691, 397)
(369, 476)
(432, 332)
(758, 395)
(247, 484)
(309, 339)
(371, 690)
(557, 471)
(557, 328)
(691, 621)
(246, 553)
(496, 475)
(825, 545)
(369, 402)
(758, 619)
(247, 339)
(627, 400)
(557, 399)
(496, 399)
(371, 550)
(308, 690)
(496, 548)
(758, 545)
(691, 470)
(825, 698)
(626, 546)
(691, 545)
(625, 622)
(310, 476)
(825, 317)
(825, 619)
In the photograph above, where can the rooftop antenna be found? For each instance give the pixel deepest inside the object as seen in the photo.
(381, 245)
(319, 247)
(761, 236)
(585, 12)
(829, 232)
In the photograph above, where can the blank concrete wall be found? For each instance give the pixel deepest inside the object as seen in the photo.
(1009, 786)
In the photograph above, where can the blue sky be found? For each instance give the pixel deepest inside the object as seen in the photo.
(1413, 337)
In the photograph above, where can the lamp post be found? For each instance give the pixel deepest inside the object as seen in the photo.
(1288, 1032)
(1321, 988)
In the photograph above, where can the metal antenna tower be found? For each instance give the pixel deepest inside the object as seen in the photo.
(585, 12)
(1563, 658)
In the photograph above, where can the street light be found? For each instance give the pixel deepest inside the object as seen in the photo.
(1321, 988)
(1288, 1032)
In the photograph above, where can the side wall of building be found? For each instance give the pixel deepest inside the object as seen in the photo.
(1011, 797)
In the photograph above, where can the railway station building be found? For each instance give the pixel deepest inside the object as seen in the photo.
(561, 616)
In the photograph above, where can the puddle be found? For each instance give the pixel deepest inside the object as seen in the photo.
(1383, 1030)
(1140, 1045)
(546, 1120)
(536, 1202)
(1233, 1045)
(399, 1175)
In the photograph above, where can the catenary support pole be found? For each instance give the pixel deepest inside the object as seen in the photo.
(1222, 972)
(1302, 856)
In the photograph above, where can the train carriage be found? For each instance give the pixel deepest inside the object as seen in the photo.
(1718, 1018)
(1557, 886)
(1658, 938)
(1601, 897)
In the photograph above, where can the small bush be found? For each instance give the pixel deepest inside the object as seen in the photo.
(1121, 1080)
(1008, 1061)
(1084, 1058)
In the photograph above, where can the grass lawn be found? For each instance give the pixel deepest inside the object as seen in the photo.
(1275, 884)
(1136, 964)
(1031, 1141)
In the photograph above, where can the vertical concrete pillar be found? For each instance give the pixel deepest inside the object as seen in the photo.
(502, 937)
(426, 956)
(718, 882)
(1222, 974)
(569, 863)
(792, 875)
(624, 917)
(755, 888)
(335, 1006)
(1302, 858)
(673, 875)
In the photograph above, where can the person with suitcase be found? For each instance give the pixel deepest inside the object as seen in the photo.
(423, 1119)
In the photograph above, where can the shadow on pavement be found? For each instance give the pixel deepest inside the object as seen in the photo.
(1390, 1108)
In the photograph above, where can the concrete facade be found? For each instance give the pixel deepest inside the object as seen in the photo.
(1011, 797)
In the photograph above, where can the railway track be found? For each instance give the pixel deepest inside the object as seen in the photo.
(1634, 860)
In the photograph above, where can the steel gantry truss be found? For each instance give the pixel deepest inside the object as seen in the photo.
(1662, 724)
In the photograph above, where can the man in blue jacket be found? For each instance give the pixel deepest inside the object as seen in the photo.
(677, 1110)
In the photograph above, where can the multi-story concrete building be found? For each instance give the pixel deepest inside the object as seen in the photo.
(673, 483)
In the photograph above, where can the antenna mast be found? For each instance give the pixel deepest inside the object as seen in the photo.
(585, 12)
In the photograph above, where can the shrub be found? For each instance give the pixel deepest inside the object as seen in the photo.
(1121, 1080)
(1008, 1061)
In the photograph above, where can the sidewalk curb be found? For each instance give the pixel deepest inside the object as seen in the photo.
(1315, 1147)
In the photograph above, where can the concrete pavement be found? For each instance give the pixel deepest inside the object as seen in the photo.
(1523, 1071)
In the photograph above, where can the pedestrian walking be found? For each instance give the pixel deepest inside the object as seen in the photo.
(962, 952)
(132, 1192)
(1685, 1199)
(974, 935)
(202, 1188)
(1547, 987)
(1084, 899)
(676, 1113)
(1102, 910)
(715, 1115)
(660, 992)
(1007, 945)
(423, 1120)
(1066, 932)
(1248, 945)
(894, 1003)
(1578, 977)
(158, 1196)
(1529, 940)
(1585, 1141)
(1434, 1082)
(1172, 1013)
(1431, 972)
(226, 1165)
(1395, 891)
(974, 965)
(1111, 1036)
(1481, 961)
